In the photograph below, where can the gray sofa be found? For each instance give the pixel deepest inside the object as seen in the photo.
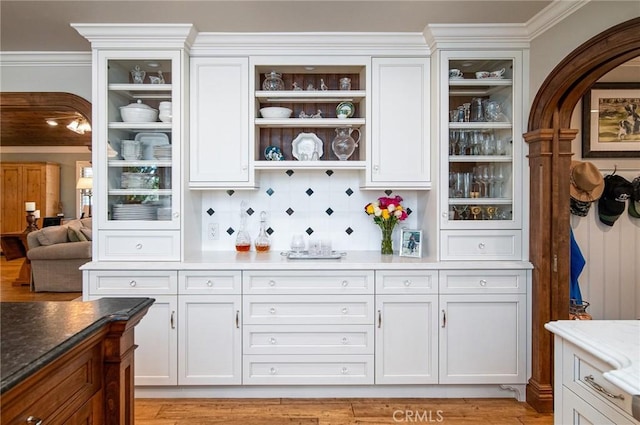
(56, 253)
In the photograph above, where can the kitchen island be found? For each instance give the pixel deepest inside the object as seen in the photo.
(68, 362)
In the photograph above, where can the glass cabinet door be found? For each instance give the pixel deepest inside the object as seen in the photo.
(142, 140)
(481, 185)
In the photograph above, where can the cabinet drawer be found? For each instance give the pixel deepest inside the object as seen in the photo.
(406, 282)
(483, 281)
(587, 379)
(309, 339)
(308, 282)
(576, 411)
(207, 282)
(136, 246)
(59, 390)
(148, 282)
(481, 245)
(305, 370)
(308, 309)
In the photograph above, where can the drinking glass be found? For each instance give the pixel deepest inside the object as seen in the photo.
(297, 243)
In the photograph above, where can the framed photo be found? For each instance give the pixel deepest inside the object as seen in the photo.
(611, 121)
(411, 243)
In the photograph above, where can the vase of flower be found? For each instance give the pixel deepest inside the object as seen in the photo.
(386, 213)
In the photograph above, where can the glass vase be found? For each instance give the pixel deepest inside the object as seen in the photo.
(386, 246)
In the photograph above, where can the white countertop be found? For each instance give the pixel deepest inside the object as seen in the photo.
(616, 342)
(353, 260)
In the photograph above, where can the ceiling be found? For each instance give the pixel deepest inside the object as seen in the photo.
(27, 25)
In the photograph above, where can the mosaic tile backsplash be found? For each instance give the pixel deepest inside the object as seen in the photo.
(317, 204)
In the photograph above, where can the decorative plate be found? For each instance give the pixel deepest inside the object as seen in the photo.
(305, 145)
(345, 108)
(273, 153)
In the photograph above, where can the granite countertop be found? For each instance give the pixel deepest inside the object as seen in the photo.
(33, 334)
(616, 342)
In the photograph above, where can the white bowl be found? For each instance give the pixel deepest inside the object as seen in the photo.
(138, 112)
(275, 112)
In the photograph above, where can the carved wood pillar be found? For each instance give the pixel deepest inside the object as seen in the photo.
(549, 163)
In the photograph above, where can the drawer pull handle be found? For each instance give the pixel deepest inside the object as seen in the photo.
(379, 319)
(272, 371)
(33, 420)
(209, 283)
(138, 246)
(407, 282)
(173, 319)
(592, 382)
(481, 245)
(237, 319)
(272, 283)
(483, 282)
(345, 283)
(344, 371)
(345, 340)
(272, 310)
(133, 283)
(444, 318)
(272, 340)
(345, 310)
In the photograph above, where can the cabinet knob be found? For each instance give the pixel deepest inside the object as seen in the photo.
(209, 283)
(272, 310)
(345, 283)
(407, 282)
(344, 371)
(176, 214)
(273, 371)
(376, 168)
(272, 340)
(272, 283)
(34, 420)
(244, 168)
(345, 310)
(345, 340)
(445, 215)
(481, 245)
(132, 283)
(138, 246)
(483, 282)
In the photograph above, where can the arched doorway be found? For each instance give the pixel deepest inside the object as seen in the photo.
(549, 137)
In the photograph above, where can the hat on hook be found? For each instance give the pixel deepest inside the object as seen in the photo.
(634, 202)
(611, 204)
(586, 181)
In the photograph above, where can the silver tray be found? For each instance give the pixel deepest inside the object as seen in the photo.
(304, 255)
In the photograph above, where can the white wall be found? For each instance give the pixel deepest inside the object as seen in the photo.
(610, 280)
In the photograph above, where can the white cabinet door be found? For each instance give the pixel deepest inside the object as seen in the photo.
(400, 143)
(483, 339)
(219, 142)
(210, 350)
(406, 339)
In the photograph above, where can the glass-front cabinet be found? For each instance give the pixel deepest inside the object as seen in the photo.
(481, 140)
(139, 136)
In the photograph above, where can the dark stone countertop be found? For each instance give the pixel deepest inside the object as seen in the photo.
(33, 334)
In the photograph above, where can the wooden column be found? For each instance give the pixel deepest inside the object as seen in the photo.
(549, 163)
(118, 372)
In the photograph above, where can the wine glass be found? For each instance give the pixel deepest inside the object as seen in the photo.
(498, 178)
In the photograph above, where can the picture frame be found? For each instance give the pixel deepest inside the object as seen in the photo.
(611, 121)
(411, 243)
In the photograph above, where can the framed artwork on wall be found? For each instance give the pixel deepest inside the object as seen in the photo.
(411, 243)
(611, 121)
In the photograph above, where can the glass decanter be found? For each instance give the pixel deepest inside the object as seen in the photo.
(272, 81)
(262, 242)
(243, 240)
(343, 144)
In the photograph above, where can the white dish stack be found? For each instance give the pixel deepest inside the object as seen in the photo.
(165, 112)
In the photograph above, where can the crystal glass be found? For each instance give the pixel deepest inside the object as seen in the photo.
(272, 81)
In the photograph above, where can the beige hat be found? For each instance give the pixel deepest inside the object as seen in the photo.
(586, 181)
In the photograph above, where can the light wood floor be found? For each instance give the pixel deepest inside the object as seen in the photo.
(301, 411)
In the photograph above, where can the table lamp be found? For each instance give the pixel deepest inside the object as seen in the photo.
(85, 184)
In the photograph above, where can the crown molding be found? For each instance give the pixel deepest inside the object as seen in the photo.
(551, 15)
(310, 43)
(145, 36)
(65, 59)
(483, 36)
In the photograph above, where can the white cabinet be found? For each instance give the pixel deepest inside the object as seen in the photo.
(156, 336)
(481, 161)
(482, 327)
(400, 131)
(308, 327)
(219, 154)
(406, 327)
(209, 328)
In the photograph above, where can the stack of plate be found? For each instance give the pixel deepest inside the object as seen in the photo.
(134, 212)
(162, 152)
(164, 213)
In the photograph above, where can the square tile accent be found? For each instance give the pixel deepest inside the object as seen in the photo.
(210, 211)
